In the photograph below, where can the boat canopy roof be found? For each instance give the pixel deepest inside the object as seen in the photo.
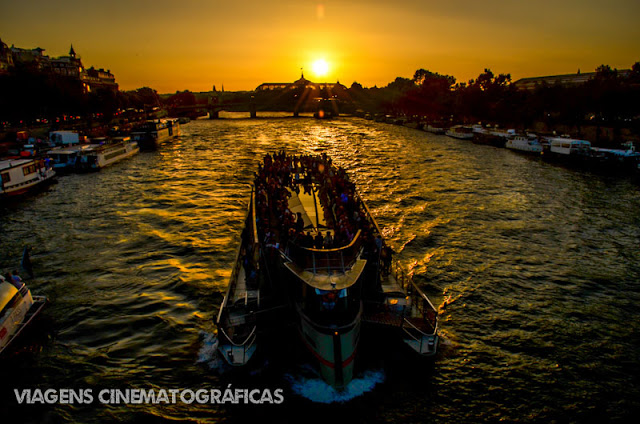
(7, 291)
(572, 141)
(68, 150)
(7, 164)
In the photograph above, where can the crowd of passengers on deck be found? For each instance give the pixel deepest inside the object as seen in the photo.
(277, 224)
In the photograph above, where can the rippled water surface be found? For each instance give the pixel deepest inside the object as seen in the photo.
(536, 269)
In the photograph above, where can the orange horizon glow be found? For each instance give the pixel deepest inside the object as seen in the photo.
(194, 45)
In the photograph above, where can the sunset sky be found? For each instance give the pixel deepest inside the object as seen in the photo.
(174, 45)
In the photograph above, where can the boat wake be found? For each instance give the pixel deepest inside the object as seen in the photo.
(317, 390)
(208, 352)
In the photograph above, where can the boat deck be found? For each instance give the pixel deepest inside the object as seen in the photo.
(390, 312)
(389, 284)
(397, 309)
(426, 346)
(242, 292)
(384, 318)
(309, 206)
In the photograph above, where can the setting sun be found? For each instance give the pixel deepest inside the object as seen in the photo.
(320, 67)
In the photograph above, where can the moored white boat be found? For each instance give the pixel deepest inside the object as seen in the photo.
(616, 160)
(566, 150)
(564, 147)
(460, 132)
(66, 159)
(152, 133)
(22, 175)
(17, 309)
(492, 136)
(435, 129)
(524, 143)
(98, 156)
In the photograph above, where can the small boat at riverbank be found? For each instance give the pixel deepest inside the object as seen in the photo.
(19, 176)
(66, 159)
(312, 258)
(18, 308)
(566, 149)
(524, 143)
(151, 134)
(460, 132)
(435, 129)
(615, 160)
(492, 137)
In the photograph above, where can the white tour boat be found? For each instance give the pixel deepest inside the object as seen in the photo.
(22, 175)
(108, 152)
(326, 287)
(152, 133)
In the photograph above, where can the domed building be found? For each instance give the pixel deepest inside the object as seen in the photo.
(300, 83)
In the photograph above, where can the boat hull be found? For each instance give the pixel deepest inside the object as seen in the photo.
(41, 180)
(95, 161)
(333, 348)
(21, 311)
(524, 146)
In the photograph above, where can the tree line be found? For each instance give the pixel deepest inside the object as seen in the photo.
(609, 98)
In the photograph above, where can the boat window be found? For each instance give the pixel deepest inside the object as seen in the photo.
(29, 169)
(6, 177)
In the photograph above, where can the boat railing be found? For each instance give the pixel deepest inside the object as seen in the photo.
(368, 213)
(418, 335)
(246, 343)
(423, 305)
(255, 245)
(249, 220)
(330, 260)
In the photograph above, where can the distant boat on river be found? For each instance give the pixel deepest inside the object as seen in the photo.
(151, 134)
(460, 132)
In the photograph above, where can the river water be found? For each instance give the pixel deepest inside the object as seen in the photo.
(535, 267)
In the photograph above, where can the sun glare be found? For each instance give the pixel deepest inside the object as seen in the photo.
(320, 67)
